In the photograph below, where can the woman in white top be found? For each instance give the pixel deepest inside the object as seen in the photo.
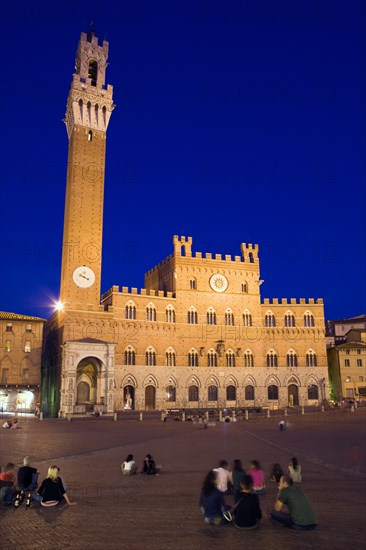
(294, 470)
(129, 466)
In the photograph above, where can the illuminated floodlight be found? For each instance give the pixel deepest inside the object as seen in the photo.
(59, 306)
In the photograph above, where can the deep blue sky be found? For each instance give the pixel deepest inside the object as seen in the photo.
(236, 121)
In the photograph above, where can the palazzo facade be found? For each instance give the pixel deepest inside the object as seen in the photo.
(199, 335)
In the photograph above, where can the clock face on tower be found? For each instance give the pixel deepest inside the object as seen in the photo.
(83, 276)
(218, 282)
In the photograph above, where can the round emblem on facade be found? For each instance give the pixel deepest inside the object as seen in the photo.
(83, 276)
(218, 282)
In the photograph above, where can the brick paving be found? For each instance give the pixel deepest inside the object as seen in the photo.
(161, 512)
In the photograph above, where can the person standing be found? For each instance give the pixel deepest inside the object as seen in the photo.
(301, 515)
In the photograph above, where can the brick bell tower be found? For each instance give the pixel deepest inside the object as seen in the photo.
(89, 107)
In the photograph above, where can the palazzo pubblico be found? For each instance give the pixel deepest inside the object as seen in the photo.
(198, 335)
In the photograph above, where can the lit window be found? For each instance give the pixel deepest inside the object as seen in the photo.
(27, 347)
(25, 374)
(7, 345)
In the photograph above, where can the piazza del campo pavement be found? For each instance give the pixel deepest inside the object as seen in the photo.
(141, 371)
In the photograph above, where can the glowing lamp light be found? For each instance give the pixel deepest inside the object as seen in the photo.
(59, 306)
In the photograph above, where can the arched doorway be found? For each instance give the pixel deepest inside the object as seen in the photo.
(86, 381)
(128, 397)
(293, 395)
(150, 398)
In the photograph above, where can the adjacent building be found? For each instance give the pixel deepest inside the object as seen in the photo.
(199, 334)
(347, 366)
(20, 361)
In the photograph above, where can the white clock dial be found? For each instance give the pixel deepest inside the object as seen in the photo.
(218, 282)
(83, 276)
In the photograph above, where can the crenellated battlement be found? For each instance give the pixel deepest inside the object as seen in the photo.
(291, 301)
(133, 291)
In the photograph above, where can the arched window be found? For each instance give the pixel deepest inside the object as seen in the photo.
(251, 258)
(249, 393)
(193, 283)
(270, 319)
(192, 316)
(272, 358)
(248, 359)
(193, 358)
(170, 358)
(229, 318)
(81, 109)
(150, 357)
(90, 135)
(150, 313)
(96, 113)
(247, 318)
(170, 393)
(130, 311)
(93, 72)
(88, 108)
(212, 393)
(273, 392)
(104, 111)
(231, 393)
(230, 358)
(130, 356)
(313, 392)
(170, 314)
(211, 317)
(212, 358)
(289, 319)
(308, 319)
(193, 393)
(291, 358)
(244, 288)
(311, 360)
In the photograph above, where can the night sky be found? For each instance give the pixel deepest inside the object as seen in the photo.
(235, 121)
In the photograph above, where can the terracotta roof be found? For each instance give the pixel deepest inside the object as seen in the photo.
(7, 316)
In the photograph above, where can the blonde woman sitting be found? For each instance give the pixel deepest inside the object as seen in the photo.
(52, 490)
(129, 467)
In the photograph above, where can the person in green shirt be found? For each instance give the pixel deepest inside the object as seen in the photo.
(301, 515)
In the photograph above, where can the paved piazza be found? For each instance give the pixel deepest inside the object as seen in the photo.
(161, 512)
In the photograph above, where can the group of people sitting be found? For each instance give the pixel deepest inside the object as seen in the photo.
(247, 486)
(129, 466)
(14, 489)
(11, 424)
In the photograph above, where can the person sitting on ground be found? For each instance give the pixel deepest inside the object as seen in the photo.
(212, 501)
(247, 512)
(129, 467)
(52, 490)
(276, 473)
(27, 476)
(301, 515)
(7, 424)
(237, 476)
(224, 479)
(258, 476)
(294, 470)
(16, 425)
(8, 487)
(149, 467)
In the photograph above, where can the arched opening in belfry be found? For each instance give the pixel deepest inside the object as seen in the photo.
(93, 72)
(86, 380)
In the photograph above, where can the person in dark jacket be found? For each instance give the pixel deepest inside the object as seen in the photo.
(212, 501)
(247, 512)
(149, 467)
(52, 490)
